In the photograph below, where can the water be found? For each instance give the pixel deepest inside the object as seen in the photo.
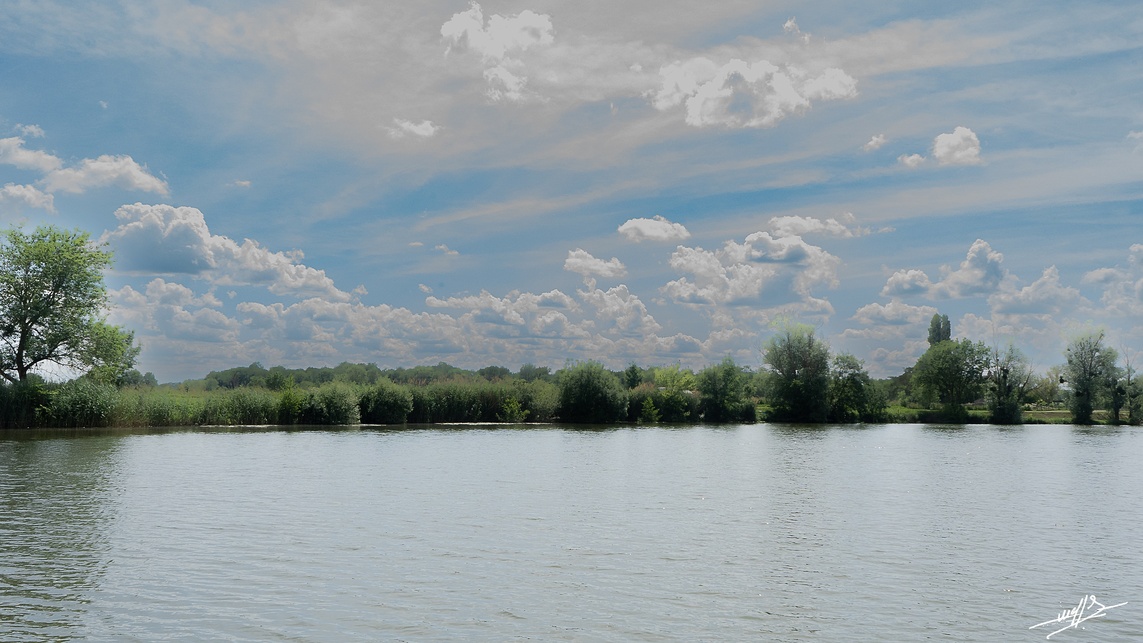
(760, 533)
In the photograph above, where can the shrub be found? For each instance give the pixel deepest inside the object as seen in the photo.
(331, 404)
(20, 401)
(83, 403)
(591, 394)
(385, 403)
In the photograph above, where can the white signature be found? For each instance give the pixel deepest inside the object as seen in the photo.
(1078, 614)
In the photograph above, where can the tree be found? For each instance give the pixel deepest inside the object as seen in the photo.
(52, 302)
(591, 394)
(852, 395)
(723, 393)
(940, 330)
(953, 371)
(799, 387)
(1090, 367)
(1009, 379)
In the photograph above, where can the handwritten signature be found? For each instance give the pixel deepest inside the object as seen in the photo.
(1078, 614)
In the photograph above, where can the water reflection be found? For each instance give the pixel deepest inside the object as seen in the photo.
(55, 508)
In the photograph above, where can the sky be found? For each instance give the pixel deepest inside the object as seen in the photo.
(498, 183)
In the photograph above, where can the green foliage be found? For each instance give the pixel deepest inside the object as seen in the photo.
(52, 300)
(530, 372)
(512, 412)
(20, 401)
(244, 406)
(953, 372)
(83, 403)
(386, 403)
(494, 373)
(633, 376)
(1009, 378)
(648, 414)
(591, 394)
(853, 397)
(723, 393)
(291, 404)
(799, 384)
(331, 404)
(940, 330)
(1090, 371)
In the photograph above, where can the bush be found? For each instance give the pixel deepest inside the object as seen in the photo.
(20, 401)
(724, 399)
(331, 404)
(240, 406)
(83, 403)
(385, 403)
(591, 394)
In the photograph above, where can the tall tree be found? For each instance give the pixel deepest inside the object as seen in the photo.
(1090, 368)
(799, 386)
(52, 303)
(853, 397)
(723, 390)
(954, 372)
(940, 329)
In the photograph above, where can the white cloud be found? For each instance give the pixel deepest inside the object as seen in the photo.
(958, 147)
(26, 195)
(164, 239)
(31, 131)
(785, 268)
(742, 94)
(875, 143)
(1122, 286)
(793, 225)
(13, 152)
(239, 183)
(654, 229)
(424, 129)
(1045, 296)
(499, 43)
(104, 171)
(895, 313)
(582, 262)
(446, 250)
(981, 273)
(911, 160)
(906, 282)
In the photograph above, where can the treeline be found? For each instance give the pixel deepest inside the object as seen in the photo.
(362, 393)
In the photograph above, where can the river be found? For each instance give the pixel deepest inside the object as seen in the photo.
(753, 533)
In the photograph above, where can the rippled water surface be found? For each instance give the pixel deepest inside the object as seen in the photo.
(761, 533)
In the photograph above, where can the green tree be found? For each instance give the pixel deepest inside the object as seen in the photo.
(591, 394)
(52, 303)
(852, 395)
(1009, 378)
(1090, 367)
(799, 386)
(953, 371)
(723, 393)
(940, 330)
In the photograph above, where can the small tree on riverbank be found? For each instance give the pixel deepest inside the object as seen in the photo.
(799, 384)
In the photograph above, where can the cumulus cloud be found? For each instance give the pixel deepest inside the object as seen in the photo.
(103, 171)
(1045, 296)
(403, 128)
(582, 262)
(31, 131)
(499, 42)
(958, 147)
(738, 273)
(26, 196)
(1122, 286)
(981, 273)
(911, 160)
(788, 226)
(895, 313)
(175, 240)
(875, 143)
(654, 229)
(13, 152)
(743, 94)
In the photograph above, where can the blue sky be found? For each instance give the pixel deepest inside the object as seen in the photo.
(306, 183)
